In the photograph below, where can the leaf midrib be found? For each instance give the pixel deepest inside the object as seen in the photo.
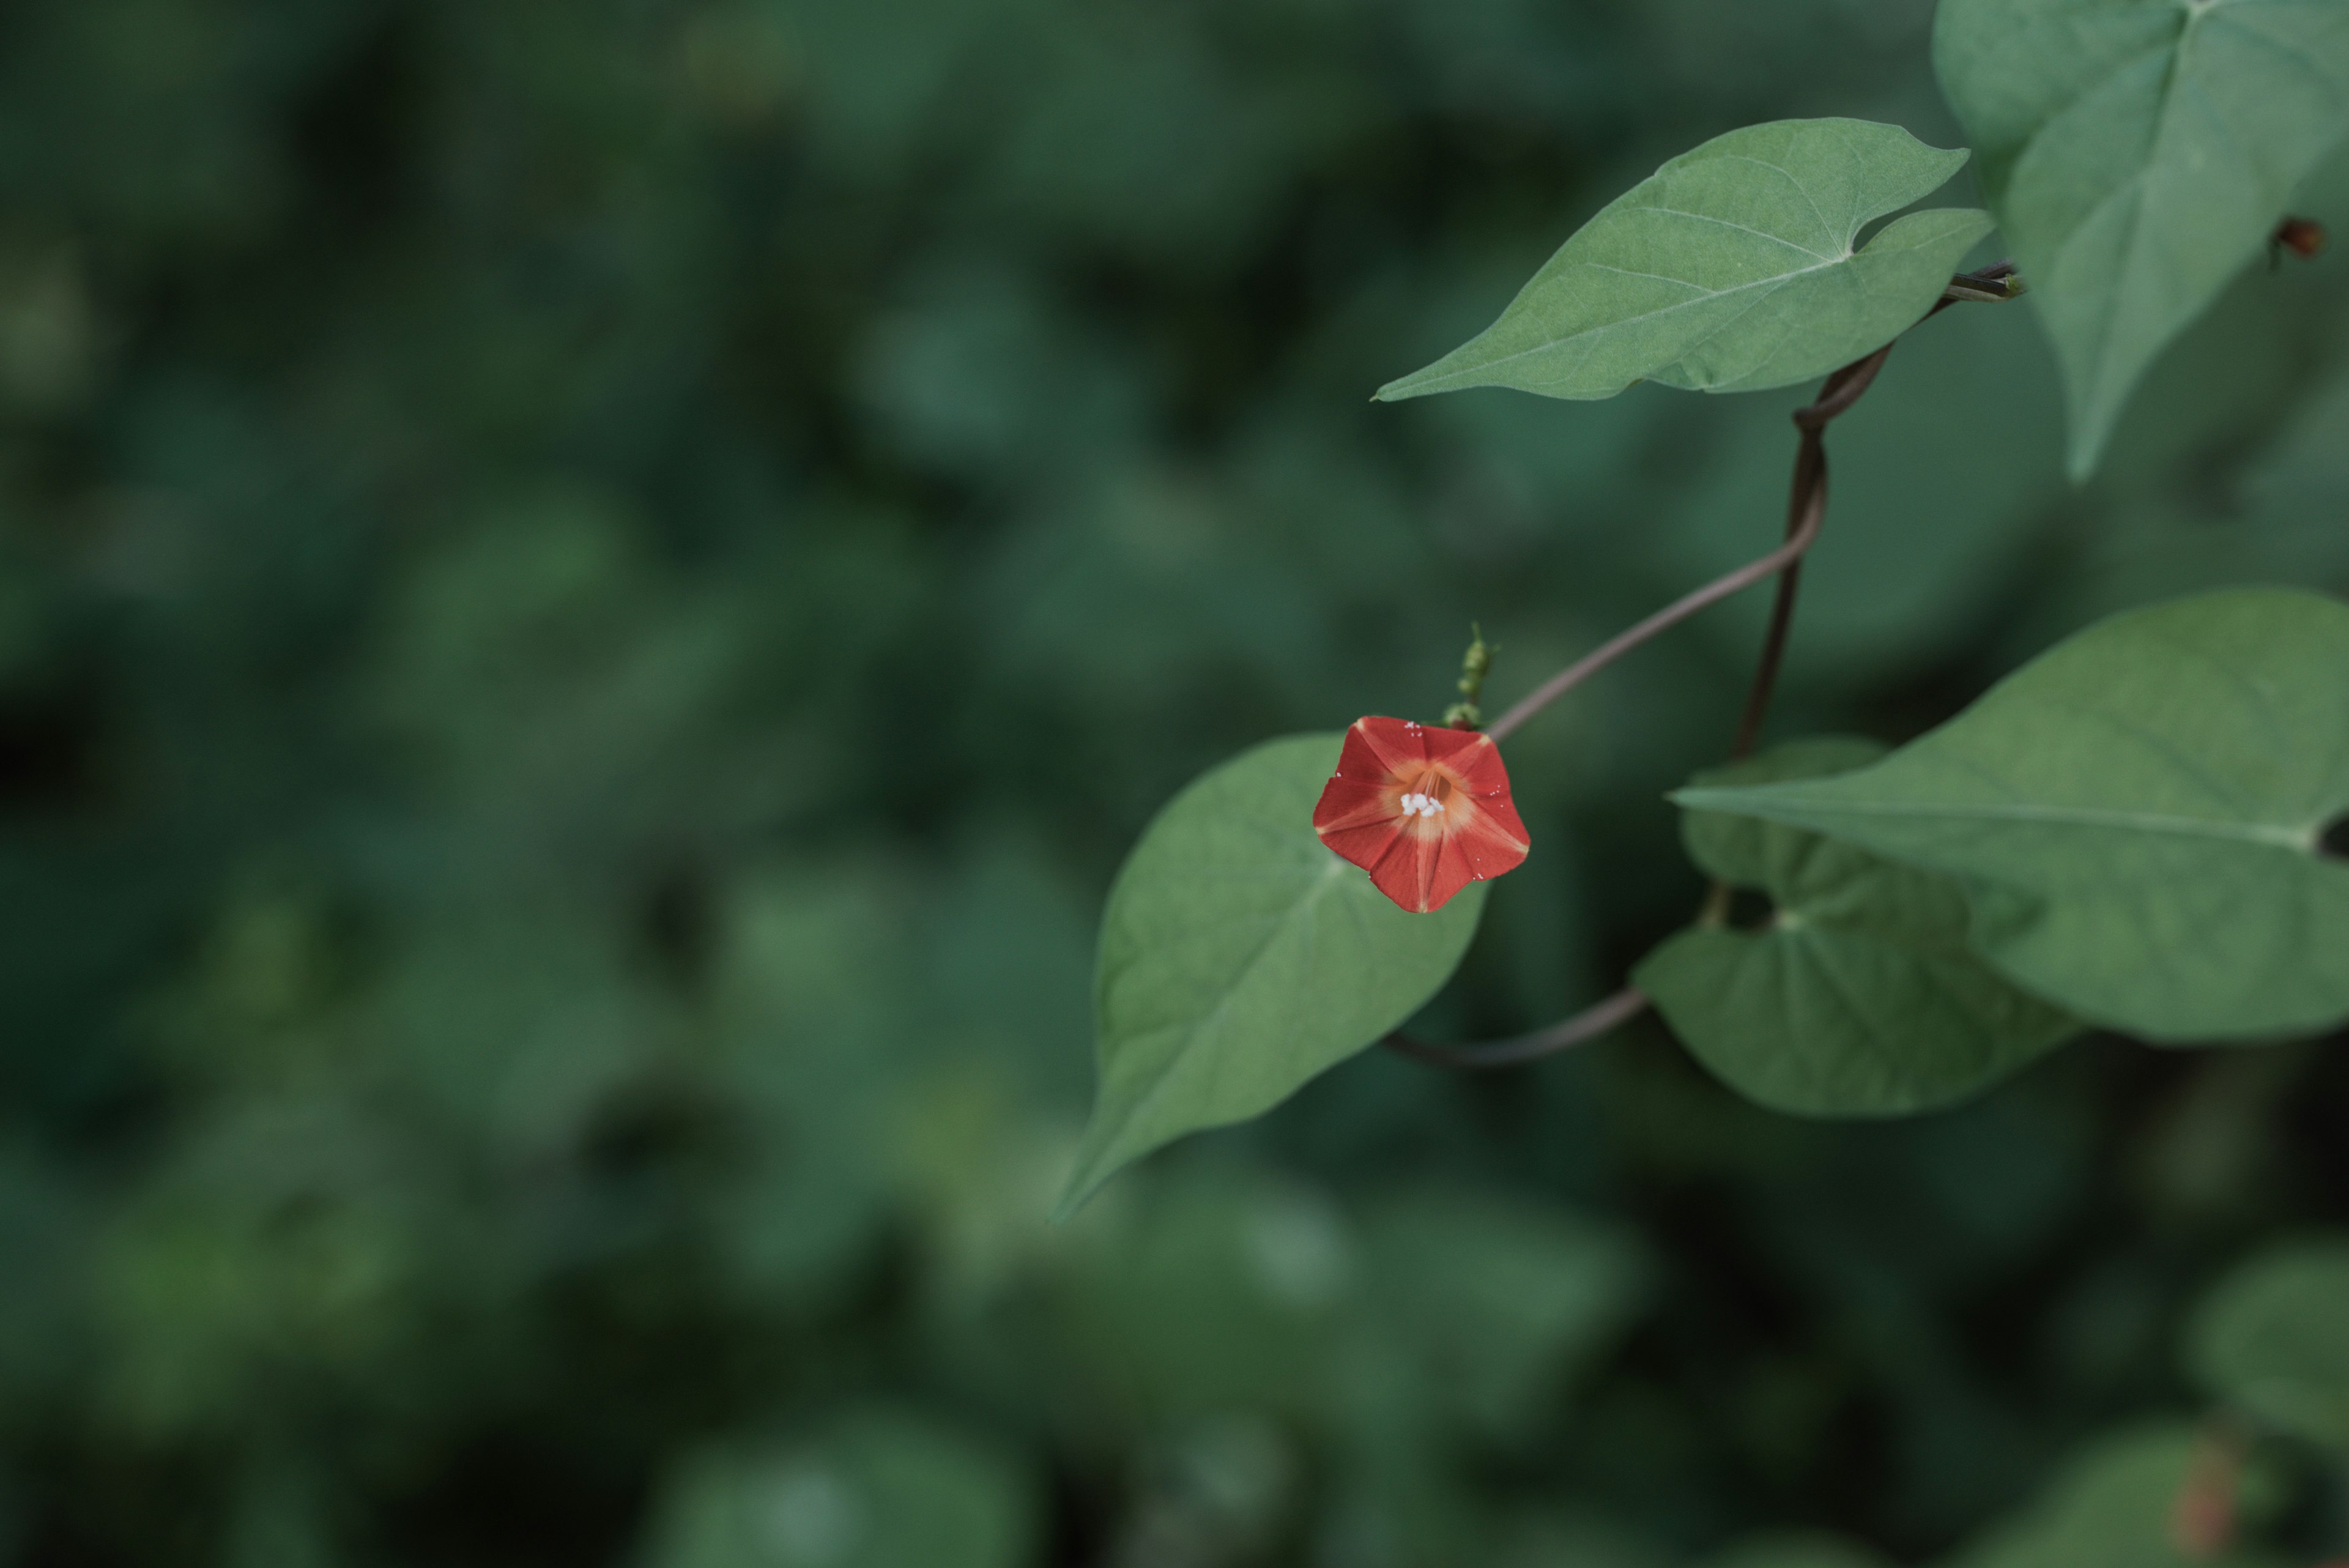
(2302, 839)
(1189, 1034)
(1777, 281)
(1746, 228)
(2173, 81)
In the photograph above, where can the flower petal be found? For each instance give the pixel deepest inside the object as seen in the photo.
(1358, 759)
(1399, 746)
(1365, 845)
(1348, 803)
(1492, 821)
(1407, 872)
(1478, 760)
(1455, 867)
(1486, 847)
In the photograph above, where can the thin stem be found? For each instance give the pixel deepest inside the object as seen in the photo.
(1846, 387)
(1807, 499)
(1670, 615)
(1584, 1026)
(1807, 511)
(1839, 392)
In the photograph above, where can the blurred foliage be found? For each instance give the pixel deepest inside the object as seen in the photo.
(2272, 1340)
(589, 595)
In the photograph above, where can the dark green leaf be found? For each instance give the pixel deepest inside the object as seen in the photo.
(2274, 1338)
(1860, 996)
(2110, 1507)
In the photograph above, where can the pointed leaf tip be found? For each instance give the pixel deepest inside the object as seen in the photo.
(1240, 959)
(2138, 155)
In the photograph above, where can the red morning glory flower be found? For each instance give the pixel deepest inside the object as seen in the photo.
(1423, 809)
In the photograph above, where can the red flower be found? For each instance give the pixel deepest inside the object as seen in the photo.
(1425, 810)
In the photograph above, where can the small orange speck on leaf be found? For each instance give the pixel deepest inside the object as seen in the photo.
(2303, 237)
(1426, 810)
(2203, 1515)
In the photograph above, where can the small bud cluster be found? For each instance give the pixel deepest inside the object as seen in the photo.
(1474, 665)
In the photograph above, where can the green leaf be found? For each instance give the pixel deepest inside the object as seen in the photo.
(2273, 1337)
(2110, 1507)
(1860, 997)
(1731, 269)
(1240, 958)
(2137, 153)
(2139, 817)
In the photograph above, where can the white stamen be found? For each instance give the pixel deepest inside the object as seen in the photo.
(1421, 806)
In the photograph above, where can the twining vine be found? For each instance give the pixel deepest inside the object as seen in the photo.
(1807, 511)
(2102, 840)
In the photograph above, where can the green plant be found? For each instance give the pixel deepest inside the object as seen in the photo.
(2136, 831)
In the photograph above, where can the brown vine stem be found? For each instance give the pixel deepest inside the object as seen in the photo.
(1663, 620)
(1806, 502)
(1588, 1025)
(1806, 510)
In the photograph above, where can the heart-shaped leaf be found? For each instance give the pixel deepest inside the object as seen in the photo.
(2137, 153)
(1860, 997)
(2139, 816)
(2274, 1339)
(1240, 958)
(1731, 269)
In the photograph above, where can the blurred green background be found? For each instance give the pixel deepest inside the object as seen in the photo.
(590, 595)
